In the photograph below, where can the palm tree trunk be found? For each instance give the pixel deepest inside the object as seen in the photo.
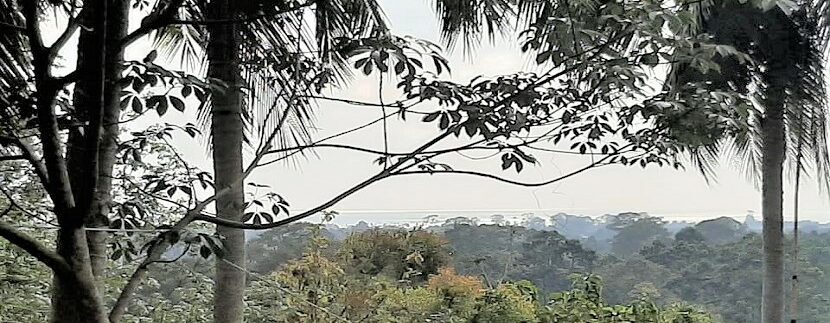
(227, 137)
(774, 150)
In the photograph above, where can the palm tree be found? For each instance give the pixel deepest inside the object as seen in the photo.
(788, 85)
(265, 54)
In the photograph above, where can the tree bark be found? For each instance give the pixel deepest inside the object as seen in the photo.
(77, 298)
(774, 150)
(116, 30)
(227, 138)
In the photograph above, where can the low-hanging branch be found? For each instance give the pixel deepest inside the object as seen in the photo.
(502, 179)
(386, 172)
(36, 249)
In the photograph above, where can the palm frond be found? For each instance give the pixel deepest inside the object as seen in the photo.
(790, 50)
(15, 58)
(469, 20)
(807, 102)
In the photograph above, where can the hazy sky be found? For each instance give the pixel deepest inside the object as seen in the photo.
(660, 191)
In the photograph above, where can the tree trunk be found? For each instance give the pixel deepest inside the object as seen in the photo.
(774, 150)
(227, 137)
(116, 30)
(76, 299)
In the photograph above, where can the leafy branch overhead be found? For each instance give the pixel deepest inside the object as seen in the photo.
(596, 90)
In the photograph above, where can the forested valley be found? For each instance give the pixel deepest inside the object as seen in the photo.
(636, 266)
(185, 160)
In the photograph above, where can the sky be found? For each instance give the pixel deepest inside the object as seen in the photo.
(308, 182)
(659, 191)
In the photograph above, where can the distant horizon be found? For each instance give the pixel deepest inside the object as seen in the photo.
(414, 216)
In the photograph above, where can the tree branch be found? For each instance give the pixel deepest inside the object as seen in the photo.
(12, 157)
(153, 22)
(72, 77)
(32, 29)
(157, 250)
(241, 20)
(397, 104)
(36, 249)
(28, 153)
(13, 27)
(71, 26)
(379, 176)
(502, 179)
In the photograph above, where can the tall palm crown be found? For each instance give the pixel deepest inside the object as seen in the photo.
(291, 48)
(787, 46)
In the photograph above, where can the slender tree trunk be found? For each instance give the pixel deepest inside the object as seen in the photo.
(77, 298)
(227, 137)
(794, 278)
(774, 150)
(116, 30)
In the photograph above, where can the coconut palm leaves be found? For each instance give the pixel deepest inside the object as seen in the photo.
(15, 60)
(293, 48)
(787, 66)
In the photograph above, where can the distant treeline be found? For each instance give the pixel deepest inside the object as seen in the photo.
(714, 264)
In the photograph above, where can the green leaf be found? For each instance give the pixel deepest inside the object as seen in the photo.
(445, 121)
(367, 68)
(431, 117)
(186, 91)
(125, 102)
(151, 56)
(178, 104)
(161, 109)
(138, 106)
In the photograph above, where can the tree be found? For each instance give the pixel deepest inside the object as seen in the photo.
(511, 115)
(397, 254)
(633, 234)
(721, 230)
(786, 46)
(689, 235)
(250, 34)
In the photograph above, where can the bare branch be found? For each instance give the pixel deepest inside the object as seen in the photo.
(12, 157)
(28, 153)
(71, 27)
(379, 176)
(400, 104)
(340, 134)
(32, 29)
(72, 77)
(502, 179)
(17, 28)
(153, 22)
(36, 249)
